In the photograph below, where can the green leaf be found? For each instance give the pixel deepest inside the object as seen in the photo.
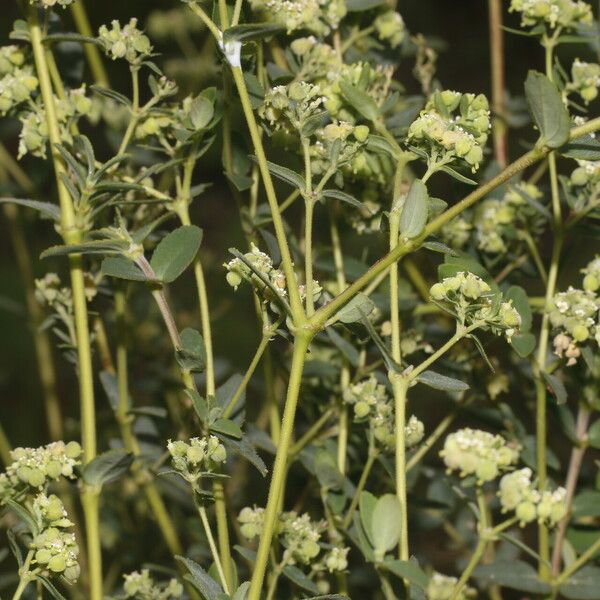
(390, 363)
(513, 574)
(344, 346)
(199, 404)
(587, 504)
(327, 471)
(359, 100)
(24, 515)
(192, 355)
(557, 387)
(107, 467)
(523, 344)
(102, 247)
(242, 592)
(521, 303)
(251, 31)
(438, 381)
(284, 174)
(295, 575)
(456, 175)
(386, 524)
(202, 111)
(415, 210)
(582, 585)
(361, 5)
(407, 569)
(594, 435)
(585, 147)
(356, 309)
(176, 252)
(343, 197)
(245, 449)
(200, 579)
(227, 427)
(46, 209)
(366, 506)
(122, 268)
(50, 587)
(548, 110)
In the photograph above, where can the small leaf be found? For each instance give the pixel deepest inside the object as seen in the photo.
(295, 575)
(594, 435)
(201, 580)
(24, 515)
(521, 303)
(227, 427)
(360, 100)
(202, 111)
(585, 147)
(245, 449)
(583, 584)
(442, 382)
(175, 252)
(344, 346)
(192, 354)
(343, 197)
(557, 387)
(414, 212)
(122, 268)
(107, 467)
(284, 174)
(362, 5)
(327, 471)
(514, 574)
(354, 311)
(456, 175)
(242, 592)
(251, 31)
(386, 524)
(102, 247)
(366, 506)
(548, 110)
(50, 587)
(523, 344)
(407, 569)
(46, 209)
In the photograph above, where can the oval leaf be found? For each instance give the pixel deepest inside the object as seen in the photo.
(414, 213)
(175, 252)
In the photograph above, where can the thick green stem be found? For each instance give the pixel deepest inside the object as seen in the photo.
(301, 344)
(72, 235)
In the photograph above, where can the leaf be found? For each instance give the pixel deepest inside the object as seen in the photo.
(548, 110)
(245, 449)
(202, 111)
(587, 504)
(284, 174)
(227, 427)
(354, 311)
(102, 247)
(107, 467)
(583, 584)
(407, 569)
(122, 268)
(327, 471)
(523, 344)
(343, 197)
(361, 5)
(366, 506)
(390, 363)
(582, 148)
(386, 524)
(557, 387)
(242, 592)
(359, 100)
(442, 382)
(513, 574)
(119, 98)
(50, 587)
(415, 210)
(344, 346)
(251, 31)
(192, 354)
(456, 175)
(201, 580)
(175, 252)
(24, 515)
(46, 209)
(521, 303)
(594, 435)
(295, 575)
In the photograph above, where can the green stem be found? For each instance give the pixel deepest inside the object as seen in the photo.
(135, 111)
(5, 447)
(72, 235)
(26, 576)
(364, 476)
(310, 434)
(91, 50)
(577, 564)
(213, 547)
(301, 343)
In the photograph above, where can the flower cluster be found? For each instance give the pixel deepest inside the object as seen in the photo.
(11, 57)
(289, 107)
(372, 403)
(575, 314)
(585, 80)
(34, 467)
(471, 300)
(452, 126)
(238, 271)
(51, 3)
(141, 585)
(318, 16)
(478, 453)
(198, 457)
(441, 587)
(16, 87)
(125, 41)
(34, 133)
(56, 553)
(591, 280)
(50, 511)
(518, 494)
(568, 14)
(390, 28)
